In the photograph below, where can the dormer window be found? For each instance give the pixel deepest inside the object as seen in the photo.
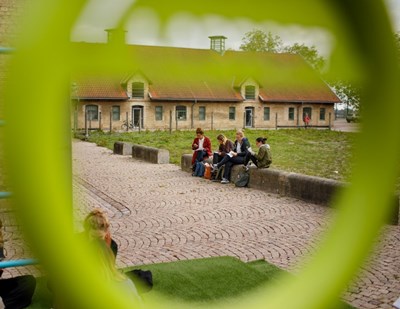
(250, 92)
(138, 90)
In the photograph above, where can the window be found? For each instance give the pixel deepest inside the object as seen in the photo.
(181, 112)
(232, 113)
(322, 112)
(250, 92)
(92, 112)
(202, 113)
(159, 113)
(291, 113)
(266, 113)
(138, 90)
(116, 114)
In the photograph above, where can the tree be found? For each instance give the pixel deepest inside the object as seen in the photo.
(348, 94)
(260, 41)
(310, 54)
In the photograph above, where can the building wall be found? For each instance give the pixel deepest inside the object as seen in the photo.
(10, 10)
(217, 115)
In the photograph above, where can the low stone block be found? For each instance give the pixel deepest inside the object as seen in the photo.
(150, 154)
(123, 148)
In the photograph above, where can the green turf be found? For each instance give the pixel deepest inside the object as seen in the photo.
(213, 279)
(313, 152)
(197, 281)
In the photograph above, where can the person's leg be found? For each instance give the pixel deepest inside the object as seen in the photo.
(227, 172)
(247, 158)
(216, 158)
(199, 155)
(254, 160)
(228, 166)
(17, 292)
(223, 161)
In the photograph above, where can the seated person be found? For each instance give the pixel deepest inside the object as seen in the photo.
(263, 159)
(201, 146)
(97, 222)
(225, 146)
(15, 292)
(97, 230)
(237, 156)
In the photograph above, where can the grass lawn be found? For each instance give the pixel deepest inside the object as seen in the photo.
(314, 152)
(200, 281)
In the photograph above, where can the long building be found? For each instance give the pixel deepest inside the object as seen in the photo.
(180, 88)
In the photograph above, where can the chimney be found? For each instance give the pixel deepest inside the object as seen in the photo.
(217, 43)
(116, 36)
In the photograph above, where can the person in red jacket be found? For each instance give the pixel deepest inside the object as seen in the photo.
(306, 120)
(201, 146)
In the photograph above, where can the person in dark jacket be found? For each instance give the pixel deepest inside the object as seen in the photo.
(225, 146)
(15, 292)
(263, 158)
(201, 146)
(237, 156)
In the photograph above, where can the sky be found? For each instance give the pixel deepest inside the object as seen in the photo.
(193, 32)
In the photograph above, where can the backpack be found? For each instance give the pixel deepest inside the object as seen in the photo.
(199, 169)
(207, 173)
(217, 175)
(242, 179)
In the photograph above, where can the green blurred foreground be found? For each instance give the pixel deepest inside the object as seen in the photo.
(199, 281)
(313, 152)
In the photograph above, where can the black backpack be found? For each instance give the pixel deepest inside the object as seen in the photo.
(242, 178)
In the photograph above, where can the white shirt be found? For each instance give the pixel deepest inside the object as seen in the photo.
(201, 142)
(238, 146)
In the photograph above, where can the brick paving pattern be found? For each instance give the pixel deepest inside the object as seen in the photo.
(161, 214)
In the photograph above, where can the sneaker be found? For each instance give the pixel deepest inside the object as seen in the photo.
(224, 181)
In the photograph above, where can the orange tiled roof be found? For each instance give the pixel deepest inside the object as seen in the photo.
(95, 88)
(183, 74)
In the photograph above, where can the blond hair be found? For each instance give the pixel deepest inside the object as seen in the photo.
(222, 138)
(96, 224)
(240, 133)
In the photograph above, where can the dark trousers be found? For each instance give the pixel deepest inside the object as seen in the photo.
(217, 158)
(200, 155)
(17, 292)
(229, 163)
(249, 157)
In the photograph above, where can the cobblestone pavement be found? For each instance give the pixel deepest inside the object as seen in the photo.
(160, 214)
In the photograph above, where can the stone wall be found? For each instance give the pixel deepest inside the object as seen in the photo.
(311, 189)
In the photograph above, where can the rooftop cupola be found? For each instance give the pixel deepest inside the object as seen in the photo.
(217, 43)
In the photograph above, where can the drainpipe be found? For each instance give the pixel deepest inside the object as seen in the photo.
(192, 118)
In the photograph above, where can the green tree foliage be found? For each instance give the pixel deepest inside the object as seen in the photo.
(348, 93)
(310, 54)
(260, 41)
